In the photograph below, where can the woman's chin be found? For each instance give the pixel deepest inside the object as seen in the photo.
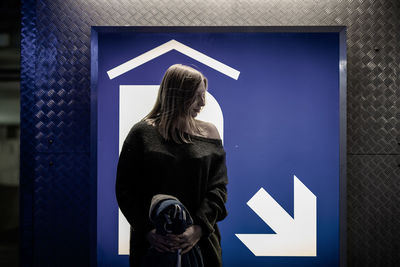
(195, 113)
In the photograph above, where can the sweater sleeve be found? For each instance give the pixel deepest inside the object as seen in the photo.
(212, 208)
(130, 195)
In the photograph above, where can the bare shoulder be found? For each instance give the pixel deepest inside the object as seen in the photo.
(210, 131)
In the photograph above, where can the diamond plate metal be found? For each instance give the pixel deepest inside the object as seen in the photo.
(373, 210)
(373, 53)
(27, 149)
(55, 102)
(61, 217)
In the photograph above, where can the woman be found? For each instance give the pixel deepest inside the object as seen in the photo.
(170, 152)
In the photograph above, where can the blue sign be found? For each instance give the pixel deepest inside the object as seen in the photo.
(275, 97)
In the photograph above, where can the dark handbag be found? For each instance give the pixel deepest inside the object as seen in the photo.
(170, 216)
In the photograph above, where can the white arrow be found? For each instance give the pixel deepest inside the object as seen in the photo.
(294, 236)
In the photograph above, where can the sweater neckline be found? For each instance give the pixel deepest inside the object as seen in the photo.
(212, 140)
(198, 137)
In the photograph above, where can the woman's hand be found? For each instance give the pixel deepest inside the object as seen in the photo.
(161, 243)
(188, 239)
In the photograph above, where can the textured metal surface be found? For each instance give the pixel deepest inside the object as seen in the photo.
(55, 103)
(61, 210)
(27, 150)
(373, 210)
(373, 52)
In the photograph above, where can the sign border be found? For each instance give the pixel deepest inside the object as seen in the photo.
(96, 30)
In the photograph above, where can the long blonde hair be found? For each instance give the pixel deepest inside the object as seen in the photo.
(171, 111)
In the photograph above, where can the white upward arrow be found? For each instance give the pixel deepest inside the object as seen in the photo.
(294, 236)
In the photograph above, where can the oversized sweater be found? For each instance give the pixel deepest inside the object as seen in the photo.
(195, 173)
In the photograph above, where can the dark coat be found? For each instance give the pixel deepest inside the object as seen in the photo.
(195, 173)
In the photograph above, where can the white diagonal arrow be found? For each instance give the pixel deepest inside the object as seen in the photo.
(294, 236)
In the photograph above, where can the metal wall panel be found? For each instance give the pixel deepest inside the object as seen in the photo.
(27, 148)
(373, 209)
(55, 104)
(61, 210)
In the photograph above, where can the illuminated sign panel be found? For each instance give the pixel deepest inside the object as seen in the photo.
(275, 98)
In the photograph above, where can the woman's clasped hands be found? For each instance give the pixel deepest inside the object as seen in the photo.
(172, 243)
